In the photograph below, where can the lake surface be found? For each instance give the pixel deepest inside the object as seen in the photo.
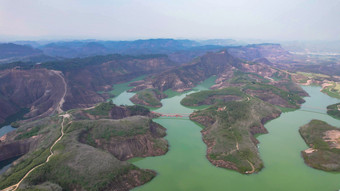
(185, 166)
(6, 129)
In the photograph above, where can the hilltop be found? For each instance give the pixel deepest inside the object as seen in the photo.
(106, 134)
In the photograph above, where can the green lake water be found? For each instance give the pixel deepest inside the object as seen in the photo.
(185, 166)
(122, 97)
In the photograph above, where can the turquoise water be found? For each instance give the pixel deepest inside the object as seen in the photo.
(185, 166)
(122, 97)
(6, 129)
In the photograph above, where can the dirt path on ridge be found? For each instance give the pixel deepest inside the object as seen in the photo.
(16, 186)
(62, 100)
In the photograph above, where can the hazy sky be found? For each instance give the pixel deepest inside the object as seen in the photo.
(194, 19)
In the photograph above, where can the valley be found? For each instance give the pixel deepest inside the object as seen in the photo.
(202, 118)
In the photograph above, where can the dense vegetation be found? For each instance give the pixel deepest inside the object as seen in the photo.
(333, 110)
(325, 154)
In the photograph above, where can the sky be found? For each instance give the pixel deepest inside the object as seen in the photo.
(180, 19)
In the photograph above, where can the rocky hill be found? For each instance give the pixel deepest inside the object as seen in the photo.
(92, 153)
(229, 129)
(185, 77)
(36, 91)
(40, 87)
(257, 78)
(323, 140)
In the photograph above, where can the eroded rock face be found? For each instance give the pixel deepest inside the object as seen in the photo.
(138, 146)
(40, 90)
(14, 149)
(150, 143)
(85, 82)
(11, 148)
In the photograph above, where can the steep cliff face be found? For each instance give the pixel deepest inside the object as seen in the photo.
(40, 90)
(11, 149)
(29, 137)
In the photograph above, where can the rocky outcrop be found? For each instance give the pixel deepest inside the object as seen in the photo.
(10, 147)
(14, 149)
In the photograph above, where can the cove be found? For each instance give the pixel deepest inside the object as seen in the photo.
(185, 166)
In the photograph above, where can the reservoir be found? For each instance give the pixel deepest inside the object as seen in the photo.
(185, 166)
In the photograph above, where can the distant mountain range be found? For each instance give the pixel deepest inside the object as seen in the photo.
(30, 50)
